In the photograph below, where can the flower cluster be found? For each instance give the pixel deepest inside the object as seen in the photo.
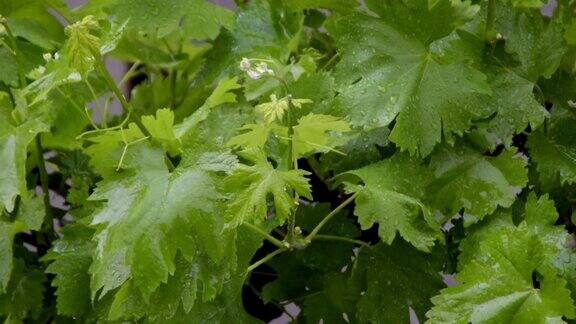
(256, 70)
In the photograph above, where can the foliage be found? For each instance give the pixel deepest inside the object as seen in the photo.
(360, 161)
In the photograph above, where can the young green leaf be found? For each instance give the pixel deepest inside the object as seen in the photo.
(250, 186)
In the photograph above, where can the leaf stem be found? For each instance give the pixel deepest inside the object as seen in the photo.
(490, 20)
(326, 219)
(43, 178)
(112, 85)
(265, 259)
(341, 238)
(272, 239)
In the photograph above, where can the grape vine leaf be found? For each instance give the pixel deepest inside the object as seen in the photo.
(251, 184)
(552, 148)
(392, 195)
(29, 217)
(222, 94)
(71, 257)
(466, 179)
(312, 133)
(396, 277)
(389, 58)
(133, 231)
(201, 19)
(25, 294)
(539, 216)
(509, 281)
(538, 44)
(161, 129)
(82, 47)
(14, 141)
(31, 20)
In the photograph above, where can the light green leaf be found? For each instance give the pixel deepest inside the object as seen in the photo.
(150, 214)
(222, 94)
(313, 133)
(392, 196)
(252, 184)
(14, 141)
(82, 48)
(161, 129)
(254, 135)
(274, 110)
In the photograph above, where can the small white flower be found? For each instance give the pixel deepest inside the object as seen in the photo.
(74, 77)
(57, 56)
(255, 75)
(245, 64)
(47, 57)
(262, 68)
(41, 69)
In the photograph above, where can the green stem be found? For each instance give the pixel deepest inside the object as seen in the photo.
(265, 259)
(112, 85)
(15, 52)
(326, 219)
(490, 21)
(267, 236)
(43, 179)
(340, 238)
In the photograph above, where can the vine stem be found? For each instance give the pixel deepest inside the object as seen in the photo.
(326, 219)
(340, 238)
(43, 178)
(490, 20)
(265, 259)
(112, 85)
(267, 236)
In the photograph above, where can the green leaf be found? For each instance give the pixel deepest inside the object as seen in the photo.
(29, 217)
(508, 282)
(396, 277)
(24, 297)
(71, 257)
(82, 48)
(160, 17)
(515, 107)
(161, 129)
(388, 73)
(222, 94)
(14, 141)
(134, 225)
(32, 20)
(537, 43)
(553, 149)
(392, 196)
(274, 110)
(251, 184)
(539, 217)
(253, 135)
(527, 3)
(466, 179)
(105, 151)
(312, 134)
